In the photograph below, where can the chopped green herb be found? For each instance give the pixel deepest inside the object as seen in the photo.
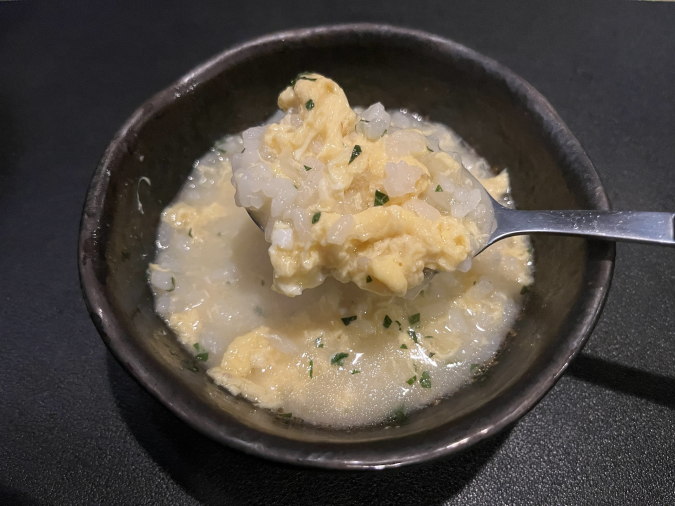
(309, 105)
(412, 380)
(190, 365)
(428, 337)
(338, 358)
(355, 153)
(202, 356)
(387, 321)
(173, 284)
(307, 167)
(311, 368)
(284, 415)
(220, 234)
(412, 334)
(318, 342)
(431, 354)
(413, 319)
(524, 290)
(425, 380)
(198, 347)
(348, 320)
(404, 347)
(302, 76)
(474, 282)
(473, 366)
(258, 310)
(429, 149)
(399, 324)
(383, 133)
(355, 371)
(221, 151)
(438, 188)
(530, 250)
(190, 233)
(369, 279)
(316, 217)
(296, 186)
(380, 198)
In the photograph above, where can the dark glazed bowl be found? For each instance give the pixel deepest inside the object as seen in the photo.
(503, 117)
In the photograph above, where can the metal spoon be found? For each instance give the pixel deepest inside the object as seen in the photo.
(625, 226)
(628, 226)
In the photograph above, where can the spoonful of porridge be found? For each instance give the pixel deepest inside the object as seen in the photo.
(352, 194)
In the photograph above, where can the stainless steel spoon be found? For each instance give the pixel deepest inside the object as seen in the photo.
(628, 226)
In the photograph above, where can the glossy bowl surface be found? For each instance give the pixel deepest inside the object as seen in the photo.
(504, 118)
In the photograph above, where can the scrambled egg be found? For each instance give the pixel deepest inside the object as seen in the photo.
(367, 198)
(336, 355)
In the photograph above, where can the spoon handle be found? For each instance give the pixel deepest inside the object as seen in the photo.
(645, 227)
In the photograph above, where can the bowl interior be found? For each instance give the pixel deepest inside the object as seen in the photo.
(498, 114)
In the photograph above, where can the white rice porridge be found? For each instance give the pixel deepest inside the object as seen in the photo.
(345, 351)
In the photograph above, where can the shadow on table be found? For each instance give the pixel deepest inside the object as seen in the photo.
(11, 145)
(653, 387)
(215, 474)
(10, 495)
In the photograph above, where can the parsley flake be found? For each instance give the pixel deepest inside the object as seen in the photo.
(316, 217)
(524, 290)
(202, 354)
(369, 279)
(387, 322)
(431, 354)
(412, 380)
(355, 371)
(302, 76)
(311, 368)
(425, 380)
(309, 105)
(258, 310)
(173, 284)
(338, 359)
(190, 365)
(439, 189)
(380, 198)
(413, 319)
(355, 153)
(318, 342)
(307, 167)
(284, 415)
(348, 320)
(399, 325)
(404, 347)
(412, 334)
(190, 233)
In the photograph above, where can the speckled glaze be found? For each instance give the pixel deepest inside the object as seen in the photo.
(501, 116)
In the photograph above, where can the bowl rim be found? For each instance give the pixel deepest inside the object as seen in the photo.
(511, 405)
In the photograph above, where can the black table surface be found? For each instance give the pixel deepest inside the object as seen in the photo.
(76, 429)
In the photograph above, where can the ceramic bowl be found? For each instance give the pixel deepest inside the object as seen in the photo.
(506, 120)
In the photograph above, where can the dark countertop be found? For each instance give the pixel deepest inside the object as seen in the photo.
(76, 429)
